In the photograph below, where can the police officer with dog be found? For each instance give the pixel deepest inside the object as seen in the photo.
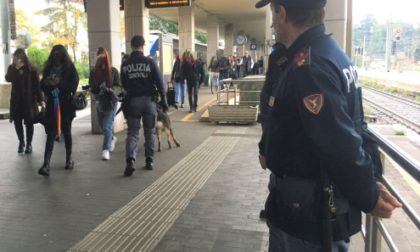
(325, 165)
(140, 77)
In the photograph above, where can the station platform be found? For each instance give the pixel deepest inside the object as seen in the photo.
(203, 196)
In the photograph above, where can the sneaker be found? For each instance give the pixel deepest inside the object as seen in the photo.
(105, 155)
(182, 105)
(113, 142)
(176, 106)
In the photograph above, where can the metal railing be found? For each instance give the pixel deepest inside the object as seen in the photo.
(227, 91)
(375, 228)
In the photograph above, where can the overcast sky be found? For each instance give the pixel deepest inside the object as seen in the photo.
(399, 10)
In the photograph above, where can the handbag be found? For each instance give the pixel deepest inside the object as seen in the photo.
(79, 101)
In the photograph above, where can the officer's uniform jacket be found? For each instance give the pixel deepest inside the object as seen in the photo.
(315, 119)
(140, 76)
(274, 73)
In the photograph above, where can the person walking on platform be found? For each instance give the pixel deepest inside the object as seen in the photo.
(212, 70)
(140, 76)
(26, 93)
(105, 84)
(234, 67)
(180, 87)
(191, 71)
(325, 166)
(247, 64)
(59, 83)
(223, 64)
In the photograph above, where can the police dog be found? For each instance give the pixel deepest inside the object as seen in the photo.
(164, 124)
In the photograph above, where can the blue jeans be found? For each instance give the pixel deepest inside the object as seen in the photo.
(279, 241)
(180, 88)
(106, 122)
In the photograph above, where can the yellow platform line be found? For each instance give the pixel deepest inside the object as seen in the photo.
(185, 119)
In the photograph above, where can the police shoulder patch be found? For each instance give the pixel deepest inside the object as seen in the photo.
(314, 103)
(302, 58)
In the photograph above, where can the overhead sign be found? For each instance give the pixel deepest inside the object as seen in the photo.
(167, 3)
(239, 40)
(253, 47)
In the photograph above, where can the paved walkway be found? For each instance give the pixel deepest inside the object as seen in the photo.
(204, 196)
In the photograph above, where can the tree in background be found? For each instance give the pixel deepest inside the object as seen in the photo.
(38, 57)
(376, 34)
(65, 16)
(24, 23)
(171, 27)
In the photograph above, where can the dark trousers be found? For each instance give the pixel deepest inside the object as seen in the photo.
(141, 108)
(52, 133)
(19, 128)
(20, 133)
(193, 86)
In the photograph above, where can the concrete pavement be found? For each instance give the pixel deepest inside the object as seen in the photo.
(218, 214)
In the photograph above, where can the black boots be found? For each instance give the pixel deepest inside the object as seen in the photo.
(45, 169)
(69, 144)
(69, 163)
(21, 137)
(28, 149)
(29, 135)
(21, 148)
(129, 169)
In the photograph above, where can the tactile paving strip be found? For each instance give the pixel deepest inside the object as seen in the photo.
(141, 224)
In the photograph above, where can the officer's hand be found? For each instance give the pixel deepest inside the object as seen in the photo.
(386, 204)
(262, 162)
(164, 105)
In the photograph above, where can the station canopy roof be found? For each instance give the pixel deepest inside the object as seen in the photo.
(241, 13)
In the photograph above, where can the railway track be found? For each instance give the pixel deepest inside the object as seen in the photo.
(393, 108)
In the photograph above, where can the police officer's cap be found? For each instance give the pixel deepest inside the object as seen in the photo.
(302, 4)
(137, 41)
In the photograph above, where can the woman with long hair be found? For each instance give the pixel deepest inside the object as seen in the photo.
(193, 72)
(26, 93)
(234, 67)
(180, 87)
(59, 83)
(212, 70)
(104, 80)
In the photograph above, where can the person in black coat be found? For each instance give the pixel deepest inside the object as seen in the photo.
(193, 72)
(24, 98)
(59, 83)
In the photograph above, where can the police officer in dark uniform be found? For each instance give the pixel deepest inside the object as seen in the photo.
(315, 140)
(140, 76)
(274, 73)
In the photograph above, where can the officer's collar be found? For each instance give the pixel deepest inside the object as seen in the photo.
(305, 39)
(279, 52)
(137, 53)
